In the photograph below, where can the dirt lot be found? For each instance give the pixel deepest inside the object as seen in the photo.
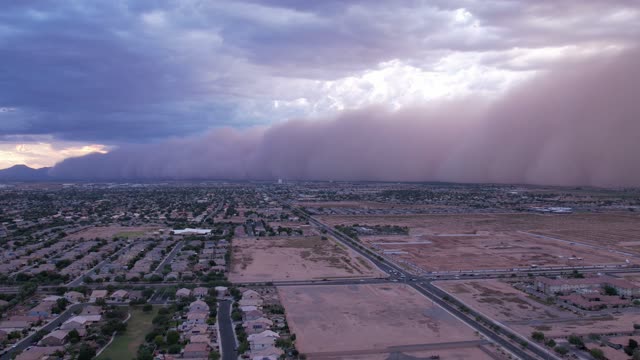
(296, 258)
(353, 319)
(606, 324)
(109, 232)
(507, 305)
(473, 352)
(499, 300)
(499, 241)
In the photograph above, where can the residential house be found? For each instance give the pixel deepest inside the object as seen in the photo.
(199, 306)
(251, 295)
(253, 315)
(195, 339)
(42, 310)
(119, 296)
(98, 294)
(200, 292)
(262, 340)
(55, 338)
(196, 350)
(250, 302)
(14, 325)
(91, 310)
(197, 318)
(182, 293)
(257, 326)
(221, 291)
(74, 297)
(195, 330)
(38, 352)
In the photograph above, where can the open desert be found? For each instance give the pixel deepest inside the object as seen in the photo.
(502, 241)
(296, 258)
(347, 320)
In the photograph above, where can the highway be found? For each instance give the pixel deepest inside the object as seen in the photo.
(70, 312)
(227, 336)
(423, 286)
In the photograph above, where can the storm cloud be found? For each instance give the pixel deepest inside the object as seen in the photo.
(122, 71)
(576, 124)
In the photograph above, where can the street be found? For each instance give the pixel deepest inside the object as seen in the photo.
(227, 336)
(28, 341)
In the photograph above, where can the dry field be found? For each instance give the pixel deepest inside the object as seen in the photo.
(109, 232)
(471, 223)
(499, 241)
(471, 352)
(605, 324)
(342, 321)
(513, 308)
(500, 301)
(296, 258)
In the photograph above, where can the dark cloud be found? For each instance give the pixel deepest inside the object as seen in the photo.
(576, 125)
(136, 71)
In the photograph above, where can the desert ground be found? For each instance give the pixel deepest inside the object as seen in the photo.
(296, 258)
(500, 301)
(470, 352)
(342, 321)
(109, 232)
(513, 308)
(502, 241)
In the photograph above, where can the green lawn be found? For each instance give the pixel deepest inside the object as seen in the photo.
(130, 234)
(125, 346)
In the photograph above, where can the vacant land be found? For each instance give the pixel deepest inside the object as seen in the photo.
(109, 232)
(125, 346)
(500, 301)
(470, 351)
(500, 241)
(472, 223)
(296, 258)
(514, 309)
(344, 321)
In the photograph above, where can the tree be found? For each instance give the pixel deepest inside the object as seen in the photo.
(159, 340)
(537, 336)
(173, 337)
(577, 341)
(597, 354)
(610, 290)
(86, 352)
(561, 350)
(550, 343)
(147, 308)
(631, 347)
(174, 349)
(74, 336)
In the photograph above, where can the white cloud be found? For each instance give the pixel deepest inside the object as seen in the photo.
(43, 152)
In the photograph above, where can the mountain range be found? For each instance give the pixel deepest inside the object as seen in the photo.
(24, 173)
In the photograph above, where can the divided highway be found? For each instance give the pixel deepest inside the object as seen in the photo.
(424, 286)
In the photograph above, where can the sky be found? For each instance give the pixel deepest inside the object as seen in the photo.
(127, 76)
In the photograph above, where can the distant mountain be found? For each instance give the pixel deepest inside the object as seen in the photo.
(24, 173)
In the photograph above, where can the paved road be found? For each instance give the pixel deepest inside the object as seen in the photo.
(78, 281)
(436, 295)
(29, 341)
(227, 336)
(169, 258)
(212, 213)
